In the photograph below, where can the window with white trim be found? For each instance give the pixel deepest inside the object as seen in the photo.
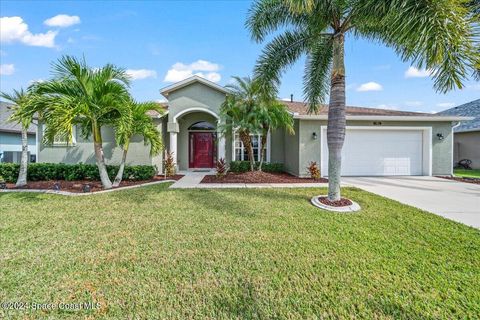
(61, 140)
(241, 153)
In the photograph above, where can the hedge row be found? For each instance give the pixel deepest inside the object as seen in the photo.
(70, 172)
(244, 166)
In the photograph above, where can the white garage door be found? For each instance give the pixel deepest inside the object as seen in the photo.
(379, 152)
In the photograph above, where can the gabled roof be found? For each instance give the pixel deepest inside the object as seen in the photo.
(5, 125)
(177, 85)
(470, 109)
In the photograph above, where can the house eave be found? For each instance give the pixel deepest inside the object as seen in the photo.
(387, 118)
(178, 85)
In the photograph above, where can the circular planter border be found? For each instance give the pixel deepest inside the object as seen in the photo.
(354, 207)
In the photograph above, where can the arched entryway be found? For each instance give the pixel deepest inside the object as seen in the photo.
(202, 145)
(194, 139)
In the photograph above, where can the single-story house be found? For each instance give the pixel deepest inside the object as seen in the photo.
(466, 136)
(11, 138)
(378, 142)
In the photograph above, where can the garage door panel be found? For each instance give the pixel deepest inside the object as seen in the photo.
(368, 152)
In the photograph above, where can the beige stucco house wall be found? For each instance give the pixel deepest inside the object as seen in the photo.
(196, 99)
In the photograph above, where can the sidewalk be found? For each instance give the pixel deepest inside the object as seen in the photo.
(192, 180)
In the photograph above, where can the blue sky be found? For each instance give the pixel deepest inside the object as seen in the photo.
(161, 42)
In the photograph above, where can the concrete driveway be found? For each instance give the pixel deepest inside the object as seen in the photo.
(453, 200)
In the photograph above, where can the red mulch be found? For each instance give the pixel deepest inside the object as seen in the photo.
(340, 203)
(460, 179)
(259, 177)
(77, 186)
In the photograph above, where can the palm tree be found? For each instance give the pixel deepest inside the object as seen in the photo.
(137, 123)
(436, 35)
(22, 114)
(87, 97)
(271, 115)
(239, 112)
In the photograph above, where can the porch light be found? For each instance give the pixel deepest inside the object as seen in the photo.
(314, 136)
(440, 136)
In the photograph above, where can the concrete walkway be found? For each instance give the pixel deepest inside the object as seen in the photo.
(192, 180)
(453, 200)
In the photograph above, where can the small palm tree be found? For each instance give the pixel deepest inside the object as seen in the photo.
(22, 114)
(137, 123)
(271, 115)
(437, 35)
(83, 96)
(239, 112)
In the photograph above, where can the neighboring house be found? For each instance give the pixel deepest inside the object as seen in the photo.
(467, 135)
(11, 138)
(378, 142)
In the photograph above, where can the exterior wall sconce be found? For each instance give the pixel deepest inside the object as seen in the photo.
(314, 136)
(440, 136)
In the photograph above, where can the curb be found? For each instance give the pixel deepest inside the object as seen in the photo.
(354, 207)
(78, 194)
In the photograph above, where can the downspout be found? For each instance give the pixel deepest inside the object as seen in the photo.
(453, 143)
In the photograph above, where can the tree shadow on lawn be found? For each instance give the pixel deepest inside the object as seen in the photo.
(24, 196)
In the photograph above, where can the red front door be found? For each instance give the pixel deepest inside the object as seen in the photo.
(201, 150)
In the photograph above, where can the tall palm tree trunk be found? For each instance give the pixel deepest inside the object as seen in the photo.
(247, 143)
(263, 143)
(119, 176)
(100, 158)
(336, 118)
(22, 174)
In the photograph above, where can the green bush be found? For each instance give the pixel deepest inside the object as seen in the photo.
(70, 172)
(244, 166)
(9, 171)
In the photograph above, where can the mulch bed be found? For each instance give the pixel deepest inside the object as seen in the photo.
(77, 186)
(460, 179)
(340, 203)
(259, 177)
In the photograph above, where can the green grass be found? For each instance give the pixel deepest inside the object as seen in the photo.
(155, 253)
(467, 173)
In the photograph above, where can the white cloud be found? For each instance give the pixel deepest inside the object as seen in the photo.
(14, 29)
(370, 86)
(413, 72)
(7, 69)
(62, 21)
(413, 103)
(180, 71)
(137, 74)
(36, 81)
(446, 105)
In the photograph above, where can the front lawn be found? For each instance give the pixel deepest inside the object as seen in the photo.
(467, 173)
(156, 253)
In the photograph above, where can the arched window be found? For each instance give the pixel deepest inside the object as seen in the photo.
(202, 125)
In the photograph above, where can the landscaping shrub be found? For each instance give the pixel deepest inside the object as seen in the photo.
(221, 167)
(9, 171)
(244, 166)
(70, 172)
(169, 165)
(314, 171)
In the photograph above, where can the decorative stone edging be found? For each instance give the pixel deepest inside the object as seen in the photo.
(351, 208)
(78, 194)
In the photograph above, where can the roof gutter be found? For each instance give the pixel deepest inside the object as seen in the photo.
(387, 118)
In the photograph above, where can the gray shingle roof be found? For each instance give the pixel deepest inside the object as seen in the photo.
(6, 126)
(470, 109)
